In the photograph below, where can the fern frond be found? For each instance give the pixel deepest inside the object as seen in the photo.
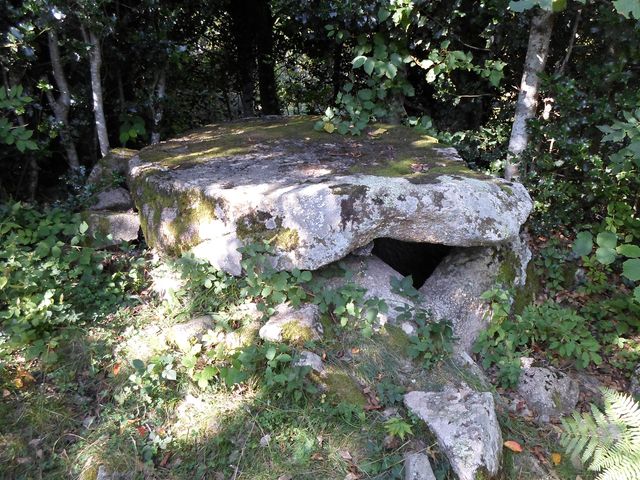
(608, 440)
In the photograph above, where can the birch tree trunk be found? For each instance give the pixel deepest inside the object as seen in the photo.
(535, 61)
(61, 105)
(95, 65)
(157, 104)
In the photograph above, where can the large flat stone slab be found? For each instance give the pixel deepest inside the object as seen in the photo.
(315, 197)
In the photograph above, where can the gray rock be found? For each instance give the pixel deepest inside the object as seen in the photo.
(466, 427)
(527, 467)
(182, 333)
(374, 276)
(634, 385)
(310, 359)
(113, 199)
(315, 198)
(293, 325)
(116, 162)
(549, 393)
(417, 467)
(122, 226)
(453, 290)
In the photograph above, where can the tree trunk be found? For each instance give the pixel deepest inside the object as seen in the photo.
(95, 65)
(266, 64)
(157, 104)
(60, 106)
(535, 61)
(243, 31)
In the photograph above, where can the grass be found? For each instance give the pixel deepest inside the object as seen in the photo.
(87, 411)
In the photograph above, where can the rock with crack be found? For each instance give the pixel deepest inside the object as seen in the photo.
(294, 325)
(314, 197)
(549, 393)
(466, 427)
(453, 291)
(417, 467)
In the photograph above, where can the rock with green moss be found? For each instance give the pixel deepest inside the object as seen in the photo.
(293, 325)
(112, 166)
(453, 291)
(314, 197)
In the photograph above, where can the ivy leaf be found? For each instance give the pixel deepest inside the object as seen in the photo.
(607, 240)
(631, 269)
(358, 61)
(368, 65)
(583, 244)
(383, 14)
(606, 256)
(629, 251)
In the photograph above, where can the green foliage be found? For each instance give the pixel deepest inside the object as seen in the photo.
(433, 342)
(14, 101)
(52, 280)
(556, 330)
(608, 441)
(397, 427)
(131, 127)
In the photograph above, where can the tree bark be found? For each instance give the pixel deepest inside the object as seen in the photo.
(61, 105)
(157, 104)
(243, 33)
(95, 65)
(266, 64)
(535, 61)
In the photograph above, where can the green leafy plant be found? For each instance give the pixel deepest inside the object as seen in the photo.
(609, 440)
(397, 427)
(14, 101)
(131, 127)
(433, 342)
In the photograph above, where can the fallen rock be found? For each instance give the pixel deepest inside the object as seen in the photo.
(549, 393)
(466, 427)
(310, 359)
(182, 333)
(417, 467)
(314, 197)
(117, 199)
(121, 226)
(295, 325)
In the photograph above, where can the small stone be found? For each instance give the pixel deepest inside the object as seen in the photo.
(265, 440)
(409, 328)
(417, 467)
(114, 199)
(465, 425)
(549, 393)
(310, 359)
(293, 324)
(182, 333)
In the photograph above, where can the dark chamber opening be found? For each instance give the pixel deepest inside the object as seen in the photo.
(410, 258)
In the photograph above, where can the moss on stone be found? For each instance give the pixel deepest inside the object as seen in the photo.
(507, 272)
(253, 228)
(395, 338)
(342, 388)
(295, 333)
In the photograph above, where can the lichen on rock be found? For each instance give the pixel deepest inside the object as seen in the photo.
(312, 196)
